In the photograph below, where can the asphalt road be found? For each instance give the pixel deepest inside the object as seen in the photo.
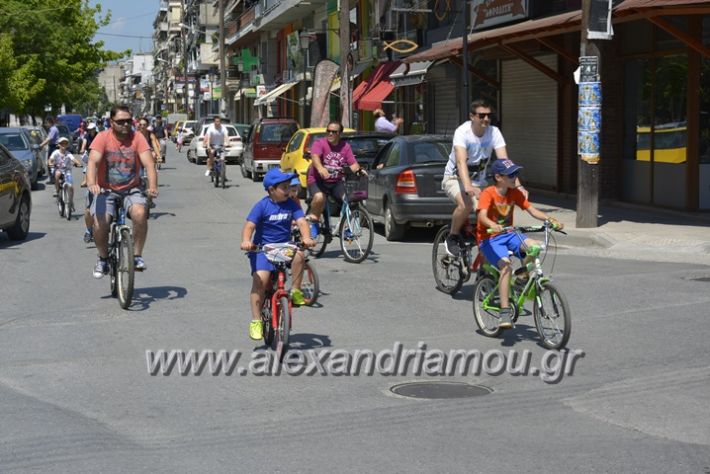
(77, 395)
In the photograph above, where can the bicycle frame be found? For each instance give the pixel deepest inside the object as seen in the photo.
(277, 290)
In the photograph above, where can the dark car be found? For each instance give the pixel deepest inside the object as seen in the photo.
(17, 141)
(366, 145)
(405, 184)
(15, 196)
(264, 145)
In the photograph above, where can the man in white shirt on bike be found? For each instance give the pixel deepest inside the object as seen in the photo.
(215, 136)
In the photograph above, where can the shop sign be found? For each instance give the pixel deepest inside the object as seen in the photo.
(487, 13)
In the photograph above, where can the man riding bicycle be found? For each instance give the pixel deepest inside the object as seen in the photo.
(115, 161)
(329, 156)
(159, 131)
(215, 136)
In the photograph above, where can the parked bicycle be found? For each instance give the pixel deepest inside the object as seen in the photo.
(120, 257)
(450, 273)
(355, 226)
(276, 310)
(550, 308)
(219, 168)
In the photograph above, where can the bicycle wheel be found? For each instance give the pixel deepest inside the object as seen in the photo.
(112, 265)
(356, 235)
(224, 175)
(67, 202)
(60, 205)
(266, 321)
(486, 306)
(448, 271)
(215, 178)
(322, 239)
(310, 285)
(284, 329)
(125, 269)
(552, 316)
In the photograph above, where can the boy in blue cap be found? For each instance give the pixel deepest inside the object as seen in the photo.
(270, 222)
(495, 211)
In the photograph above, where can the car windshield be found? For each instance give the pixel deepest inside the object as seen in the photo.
(277, 132)
(13, 141)
(432, 152)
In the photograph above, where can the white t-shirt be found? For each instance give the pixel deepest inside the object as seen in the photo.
(216, 137)
(477, 148)
(61, 162)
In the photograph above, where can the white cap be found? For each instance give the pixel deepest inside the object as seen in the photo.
(62, 139)
(91, 126)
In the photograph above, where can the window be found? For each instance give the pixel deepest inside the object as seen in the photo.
(393, 156)
(13, 141)
(436, 152)
(277, 132)
(295, 143)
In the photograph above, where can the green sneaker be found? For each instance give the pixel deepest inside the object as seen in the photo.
(297, 297)
(256, 330)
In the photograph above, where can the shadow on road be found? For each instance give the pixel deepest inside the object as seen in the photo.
(305, 341)
(144, 297)
(5, 242)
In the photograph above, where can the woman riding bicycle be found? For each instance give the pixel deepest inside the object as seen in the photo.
(270, 222)
(325, 175)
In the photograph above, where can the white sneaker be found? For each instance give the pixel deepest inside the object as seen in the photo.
(207, 173)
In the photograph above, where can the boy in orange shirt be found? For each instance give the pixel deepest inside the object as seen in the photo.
(495, 211)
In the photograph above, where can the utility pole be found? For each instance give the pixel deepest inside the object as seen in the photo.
(589, 122)
(183, 34)
(463, 112)
(222, 67)
(346, 106)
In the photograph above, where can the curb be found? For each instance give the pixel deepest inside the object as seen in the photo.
(580, 238)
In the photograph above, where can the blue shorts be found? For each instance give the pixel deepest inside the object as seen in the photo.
(259, 262)
(497, 247)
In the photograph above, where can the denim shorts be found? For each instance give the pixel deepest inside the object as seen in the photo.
(105, 203)
(497, 247)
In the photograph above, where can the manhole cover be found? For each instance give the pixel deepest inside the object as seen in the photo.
(440, 390)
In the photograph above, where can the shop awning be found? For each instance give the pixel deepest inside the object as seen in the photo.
(382, 73)
(274, 94)
(530, 29)
(410, 74)
(373, 99)
(248, 92)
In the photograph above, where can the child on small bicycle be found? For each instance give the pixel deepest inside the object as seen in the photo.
(495, 211)
(269, 221)
(61, 161)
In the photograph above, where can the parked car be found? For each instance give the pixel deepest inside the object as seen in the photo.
(17, 140)
(188, 131)
(296, 157)
(37, 135)
(15, 196)
(366, 145)
(197, 154)
(265, 143)
(209, 119)
(405, 184)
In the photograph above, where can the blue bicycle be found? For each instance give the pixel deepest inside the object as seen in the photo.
(219, 168)
(355, 228)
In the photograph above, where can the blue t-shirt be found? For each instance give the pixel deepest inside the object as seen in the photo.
(273, 220)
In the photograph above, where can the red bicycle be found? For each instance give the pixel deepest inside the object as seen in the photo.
(277, 306)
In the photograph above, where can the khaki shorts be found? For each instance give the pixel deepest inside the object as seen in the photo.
(453, 187)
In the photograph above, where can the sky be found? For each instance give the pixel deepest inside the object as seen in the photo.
(129, 20)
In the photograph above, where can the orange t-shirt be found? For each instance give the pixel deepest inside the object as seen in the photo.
(120, 165)
(498, 208)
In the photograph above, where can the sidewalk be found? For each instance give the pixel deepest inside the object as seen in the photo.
(629, 230)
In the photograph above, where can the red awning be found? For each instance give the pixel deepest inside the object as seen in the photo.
(382, 73)
(373, 99)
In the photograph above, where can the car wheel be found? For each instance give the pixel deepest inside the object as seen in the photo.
(393, 231)
(21, 227)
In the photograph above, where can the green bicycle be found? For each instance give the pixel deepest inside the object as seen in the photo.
(550, 308)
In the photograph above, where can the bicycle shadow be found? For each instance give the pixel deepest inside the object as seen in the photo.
(144, 297)
(336, 253)
(521, 332)
(155, 215)
(305, 341)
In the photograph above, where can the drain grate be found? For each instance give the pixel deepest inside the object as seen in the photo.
(439, 390)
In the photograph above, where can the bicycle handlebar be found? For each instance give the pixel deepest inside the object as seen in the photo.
(529, 229)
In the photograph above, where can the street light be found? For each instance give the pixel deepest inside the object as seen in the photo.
(304, 39)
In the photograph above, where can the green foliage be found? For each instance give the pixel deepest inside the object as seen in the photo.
(48, 54)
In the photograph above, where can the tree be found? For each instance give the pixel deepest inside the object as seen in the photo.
(48, 54)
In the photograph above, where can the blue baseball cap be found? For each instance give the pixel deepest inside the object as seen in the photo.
(275, 176)
(504, 167)
(295, 181)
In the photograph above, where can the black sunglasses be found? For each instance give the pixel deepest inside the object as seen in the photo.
(333, 132)
(123, 122)
(483, 115)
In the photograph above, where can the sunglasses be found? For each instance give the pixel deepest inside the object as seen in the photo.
(123, 122)
(332, 132)
(483, 115)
